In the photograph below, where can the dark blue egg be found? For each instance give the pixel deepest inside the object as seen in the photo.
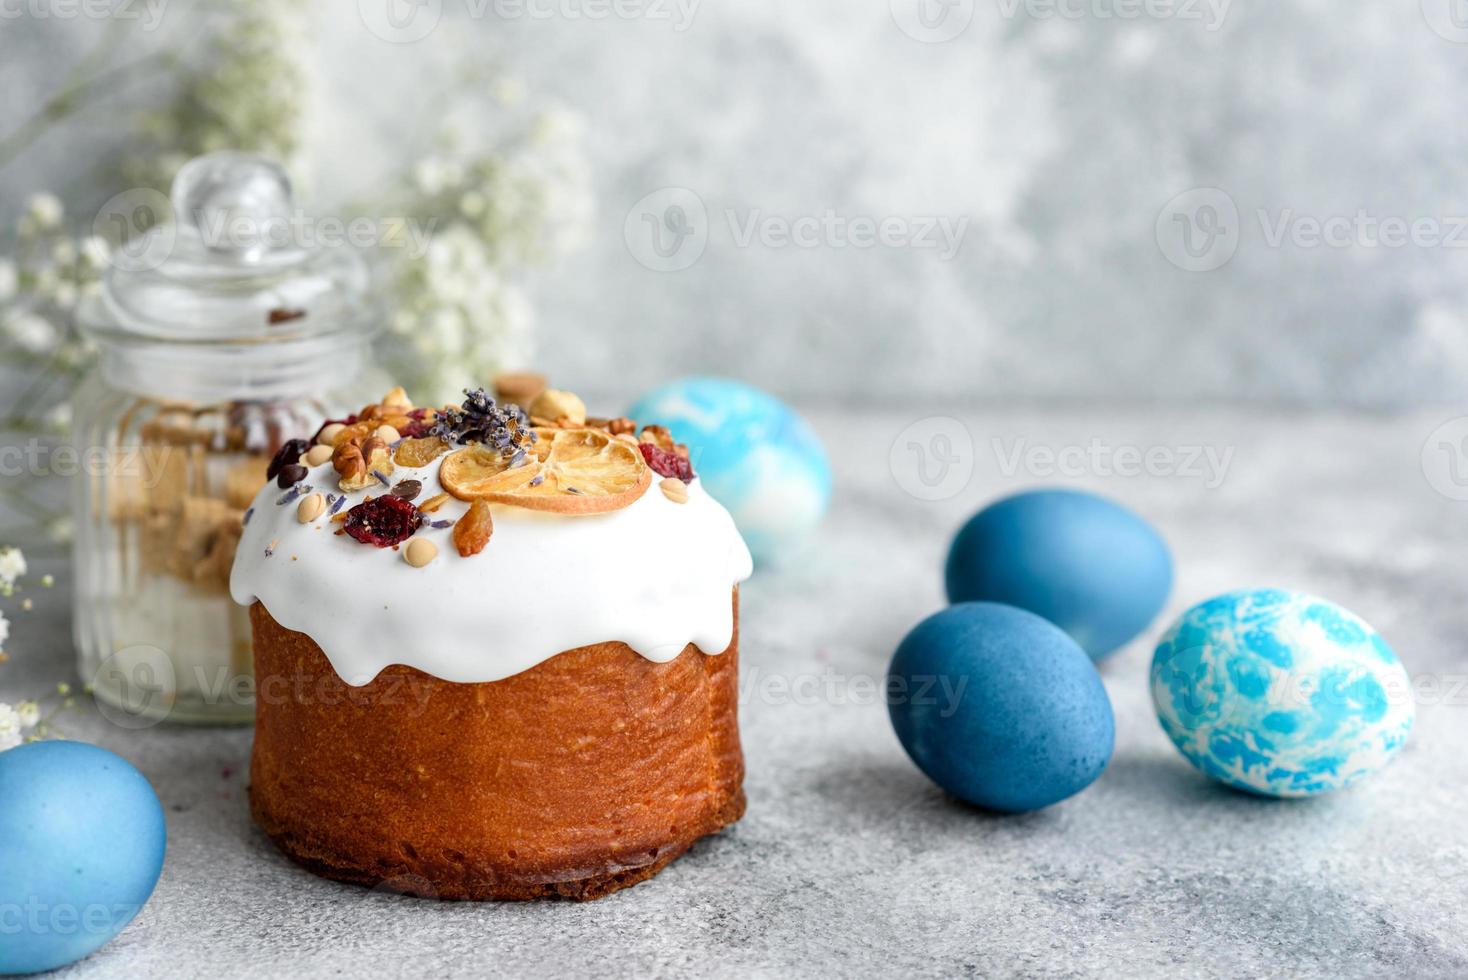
(1090, 566)
(81, 847)
(999, 707)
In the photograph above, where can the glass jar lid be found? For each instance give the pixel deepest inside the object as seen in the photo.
(239, 262)
(239, 272)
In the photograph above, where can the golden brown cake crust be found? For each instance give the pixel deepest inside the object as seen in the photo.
(583, 775)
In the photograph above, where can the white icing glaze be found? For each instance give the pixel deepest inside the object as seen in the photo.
(655, 575)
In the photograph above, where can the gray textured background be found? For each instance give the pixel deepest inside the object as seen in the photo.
(1060, 139)
(849, 862)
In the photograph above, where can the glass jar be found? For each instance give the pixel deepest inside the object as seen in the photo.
(220, 335)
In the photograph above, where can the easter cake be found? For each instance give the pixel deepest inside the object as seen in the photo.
(495, 650)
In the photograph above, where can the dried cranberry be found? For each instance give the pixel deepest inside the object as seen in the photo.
(290, 474)
(290, 452)
(383, 521)
(415, 429)
(665, 463)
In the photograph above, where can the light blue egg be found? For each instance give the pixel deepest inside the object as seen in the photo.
(81, 848)
(1280, 693)
(754, 454)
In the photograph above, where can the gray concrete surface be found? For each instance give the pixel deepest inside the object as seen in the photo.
(849, 861)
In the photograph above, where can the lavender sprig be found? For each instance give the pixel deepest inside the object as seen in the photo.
(504, 428)
(290, 495)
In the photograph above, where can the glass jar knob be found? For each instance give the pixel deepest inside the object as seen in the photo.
(239, 204)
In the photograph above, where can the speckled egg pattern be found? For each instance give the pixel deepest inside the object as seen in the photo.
(1280, 693)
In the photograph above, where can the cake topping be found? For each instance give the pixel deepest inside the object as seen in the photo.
(508, 509)
(480, 420)
(358, 460)
(414, 452)
(291, 495)
(407, 489)
(310, 508)
(397, 398)
(560, 407)
(665, 463)
(383, 521)
(434, 502)
(289, 454)
(518, 387)
(674, 489)
(473, 530)
(419, 552)
(290, 474)
(567, 471)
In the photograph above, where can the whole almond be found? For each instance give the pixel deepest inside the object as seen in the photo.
(329, 433)
(310, 508)
(387, 434)
(674, 489)
(397, 398)
(419, 552)
(318, 454)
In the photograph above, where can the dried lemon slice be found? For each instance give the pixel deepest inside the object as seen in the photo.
(567, 471)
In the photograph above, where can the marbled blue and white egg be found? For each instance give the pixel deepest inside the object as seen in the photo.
(1280, 693)
(754, 454)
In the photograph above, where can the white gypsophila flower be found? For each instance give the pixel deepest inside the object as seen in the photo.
(445, 331)
(509, 91)
(10, 728)
(58, 417)
(4, 629)
(45, 211)
(60, 529)
(29, 713)
(434, 175)
(95, 252)
(9, 280)
(46, 281)
(63, 252)
(12, 565)
(65, 295)
(472, 204)
(30, 333)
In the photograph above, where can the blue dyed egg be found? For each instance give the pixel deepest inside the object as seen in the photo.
(999, 707)
(81, 847)
(754, 455)
(1090, 566)
(1280, 693)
